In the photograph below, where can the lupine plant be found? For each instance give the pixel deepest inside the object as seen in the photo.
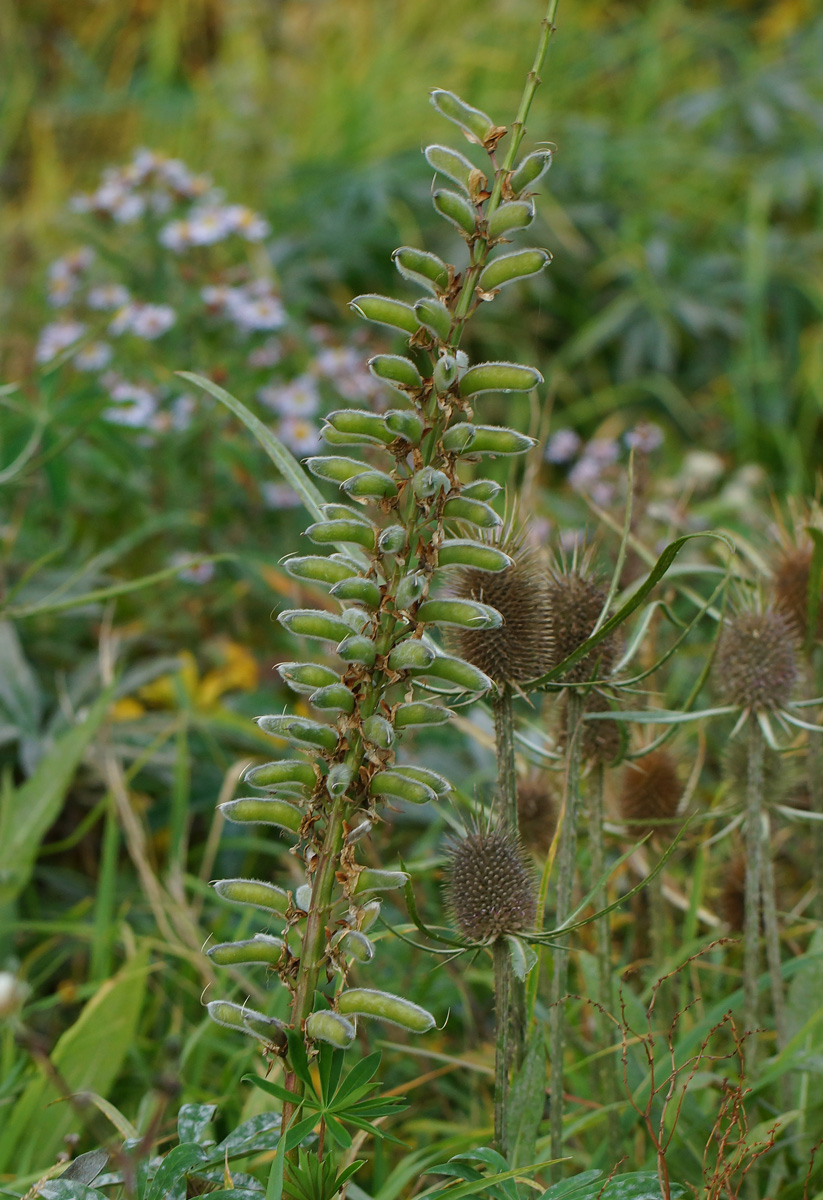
(408, 514)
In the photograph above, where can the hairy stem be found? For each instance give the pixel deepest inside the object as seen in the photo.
(754, 877)
(608, 1069)
(506, 810)
(503, 1047)
(566, 854)
(772, 931)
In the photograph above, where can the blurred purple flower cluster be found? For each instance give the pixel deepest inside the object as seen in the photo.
(592, 464)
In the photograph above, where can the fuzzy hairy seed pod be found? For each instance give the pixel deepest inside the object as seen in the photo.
(651, 791)
(490, 890)
(521, 649)
(791, 590)
(536, 814)
(756, 665)
(576, 601)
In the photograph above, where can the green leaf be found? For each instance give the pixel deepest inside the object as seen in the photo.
(88, 1056)
(274, 1186)
(299, 1060)
(523, 958)
(283, 459)
(572, 1189)
(27, 812)
(274, 1089)
(358, 1077)
(337, 1133)
(527, 1098)
(175, 1167)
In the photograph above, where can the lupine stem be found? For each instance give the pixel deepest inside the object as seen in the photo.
(566, 854)
(754, 878)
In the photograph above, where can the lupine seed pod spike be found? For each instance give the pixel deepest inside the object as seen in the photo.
(476, 125)
(328, 533)
(284, 770)
(316, 568)
(255, 892)
(756, 663)
(491, 889)
(309, 622)
(366, 1002)
(404, 424)
(499, 377)
(410, 655)
(445, 373)
(451, 163)
(330, 1027)
(457, 210)
(394, 369)
(304, 678)
(435, 316)
(360, 421)
(531, 169)
(423, 267)
(511, 217)
(510, 268)
(468, 614)
(383, 310)
(255, 810)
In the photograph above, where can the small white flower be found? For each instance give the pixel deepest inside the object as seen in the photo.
(122, 320)
(563, 446)
(182, 411)
(144, 163)
(701, 468)
(267, 355)
(107, 296)
(279, 495)
(335, 362)
(151, 321)
(644, 438)
(584, 474)
(176, 236)
(93, 357)
(56, 337)
(300, 436)
(135, 406)
(62, 289)
(191, 570)
(218, 296)
(299, 398)
(13, 992)
(263, 313)
(208, 226)
(249, 224)
(603, 450)
(129, 210)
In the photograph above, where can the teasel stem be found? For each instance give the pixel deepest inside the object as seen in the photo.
(502, 710)
(503, 1042)
(566, 854)
(754, 884)
(814, 771)
(608, 1077)
(772, 932)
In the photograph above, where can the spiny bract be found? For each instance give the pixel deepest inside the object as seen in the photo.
(756, 666)
(490, 889)
(576, 601)
(651, 792)
(791, 590)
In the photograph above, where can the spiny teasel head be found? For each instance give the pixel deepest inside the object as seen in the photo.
(756, 661)
(600, 740)
(521, 649)
(536, 813)
(651, 791)
(576, 600)
(490, 889)
(731, 885)
(791, 577)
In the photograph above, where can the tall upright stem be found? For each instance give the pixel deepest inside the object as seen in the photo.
(506, 800)
(608, 1076)
(754, 878)
(770, 926)
(566, 854)
(503, 1048)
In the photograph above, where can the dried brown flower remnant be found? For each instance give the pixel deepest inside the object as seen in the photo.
(536, 814)
(490, 890)
(651, 792)
(791, 590)
(521, 649)
(756, 665)
(576, 601)
(600, 740)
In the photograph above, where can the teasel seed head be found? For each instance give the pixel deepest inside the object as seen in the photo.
(651, 791)
(600, 741)
(756, 664)
(576, 599)
(791, 590)
(491, 888)
(521, 649)
(536, 813)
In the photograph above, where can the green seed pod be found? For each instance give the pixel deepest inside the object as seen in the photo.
(356, 618)
(421, 267)
(332, 1028)
(404, 424)
(427, 483)
(370, 485)
(508, 218)
(325, 533)
(254, 892)
(338, 779)
(284, 770)
(306, 677)
(335, 438)
(371, 879)
(329, 466)
(451, 163)
(392, 540)
(359, 832)
(399, 372)
(316, 568)
(346, 512)
(357, 648)
(356, 587)
(499, 377)
(438, 783)
(499, 439)
(475, 124)
(356, 945)
(311, 622)
(399, 786)
(379, 732)
(473, 511)
(455, 209)
(458, 439)
(445, 373)
(462, 552)
(368, 914)
(262, 948)
(334, 698)
(302, 898)
(435, 316)
(410, 655)
(510, 268)
(468, 614)
(301, 730)
(254, 810)
(366, 1002)
(409, 590)
(530, 169)
(481, 489)
(246, 1020)
(360, 421)
(385, 311)
(458, 671)
(418, 714)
